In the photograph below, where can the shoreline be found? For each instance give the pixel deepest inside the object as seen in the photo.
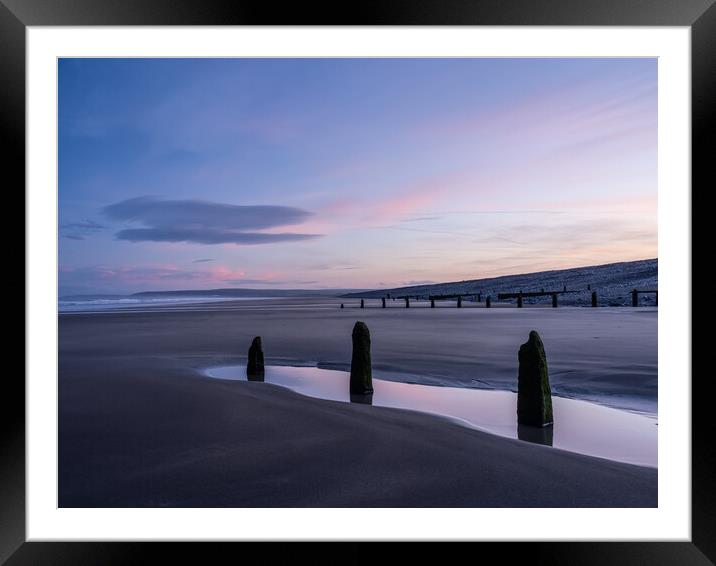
(137, 428)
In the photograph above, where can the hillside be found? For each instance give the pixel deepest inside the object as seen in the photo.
(612, 282)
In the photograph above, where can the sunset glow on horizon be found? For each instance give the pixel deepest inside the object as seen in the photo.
(350, 173)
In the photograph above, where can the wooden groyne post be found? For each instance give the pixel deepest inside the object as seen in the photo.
(554, 300)
(407, 302)
(534, 394)
(361, 381)
(635, 296)
(488, 302)
(432, 303)
(255, 362)
(362, 304)
(383, 302)
(519, 300)
(594, 298)
(459, 301)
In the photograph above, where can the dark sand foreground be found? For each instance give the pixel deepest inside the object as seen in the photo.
(140, 426)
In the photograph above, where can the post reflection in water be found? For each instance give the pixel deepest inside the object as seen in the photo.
(363, 399)
(538, 435)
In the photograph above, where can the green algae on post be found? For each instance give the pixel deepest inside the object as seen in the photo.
(534, 396)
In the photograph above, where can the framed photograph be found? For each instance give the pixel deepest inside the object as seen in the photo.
(292, 277)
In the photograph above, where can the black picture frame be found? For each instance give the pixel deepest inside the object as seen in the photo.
(16, 15)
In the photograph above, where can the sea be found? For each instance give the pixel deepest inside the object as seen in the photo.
(100, 303)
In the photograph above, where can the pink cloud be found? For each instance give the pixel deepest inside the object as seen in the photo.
(223, 273)
(362, 212)
(632, 204)
(406, 203)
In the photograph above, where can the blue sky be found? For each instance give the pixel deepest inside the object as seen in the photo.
(318, 173)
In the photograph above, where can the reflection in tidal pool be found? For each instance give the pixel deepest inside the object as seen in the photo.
(538, 435)
(579, 426)
(362, 398)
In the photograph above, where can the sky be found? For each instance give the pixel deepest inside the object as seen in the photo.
(350, 173)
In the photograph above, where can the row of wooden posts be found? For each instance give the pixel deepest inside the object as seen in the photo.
(534, 394)
(488, 302)
(519, 296)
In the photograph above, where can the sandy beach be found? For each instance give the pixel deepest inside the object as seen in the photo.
(141, 426)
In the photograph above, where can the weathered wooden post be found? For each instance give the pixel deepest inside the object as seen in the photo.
(534, 395)
(367, 399)
(589, 287)
(634, 298)
(488, 302)
(361, 381)
(479, 297)
(255, 363)
(459, 301)
(554, 300)
(341, 305)
(537, 435)
(432, 303)
(362, 304)
(383, 302)
(565, 288)
(407, 302)
(594, 298)
(519, 300)
(656, 299)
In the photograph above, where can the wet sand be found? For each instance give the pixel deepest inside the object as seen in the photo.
(140, 426)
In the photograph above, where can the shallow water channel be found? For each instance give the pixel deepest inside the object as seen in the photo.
(579, 426)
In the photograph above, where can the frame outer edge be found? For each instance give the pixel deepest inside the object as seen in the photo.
(703, 126)
(12, 414)
(700, 13)
(366, 12)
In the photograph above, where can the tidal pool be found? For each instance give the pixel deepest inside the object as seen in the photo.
(579, 426)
